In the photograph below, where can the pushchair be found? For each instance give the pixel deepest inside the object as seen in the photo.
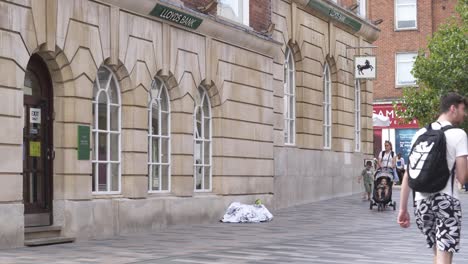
(382, 191)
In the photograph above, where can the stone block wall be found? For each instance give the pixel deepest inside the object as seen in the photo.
(242, 73)
(307, 172)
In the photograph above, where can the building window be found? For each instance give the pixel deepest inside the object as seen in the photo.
(106, 133)
(202, 143)
(362, 11)
(357, 116)
(236, 10)
(289, 99)
(404, 65)
(159, 138)
(406, 14)
(327, 109)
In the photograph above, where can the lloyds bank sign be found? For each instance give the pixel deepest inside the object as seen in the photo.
(176, 16)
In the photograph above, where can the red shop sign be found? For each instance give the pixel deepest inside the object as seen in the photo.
(387, 110)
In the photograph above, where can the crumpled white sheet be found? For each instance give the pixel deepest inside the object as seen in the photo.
(245, 213)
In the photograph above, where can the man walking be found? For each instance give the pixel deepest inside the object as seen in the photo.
(438, 215)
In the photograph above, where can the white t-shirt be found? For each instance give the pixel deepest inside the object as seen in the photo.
(457, 146)
(400, 163)
(387, 160)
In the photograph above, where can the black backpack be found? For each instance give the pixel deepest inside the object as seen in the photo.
(427, 162)
(391, 153)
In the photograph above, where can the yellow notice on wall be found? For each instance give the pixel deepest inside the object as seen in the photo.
(34, 148)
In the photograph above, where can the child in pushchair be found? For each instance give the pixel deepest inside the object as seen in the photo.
(382, 192)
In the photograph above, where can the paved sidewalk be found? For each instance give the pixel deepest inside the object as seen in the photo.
(341, 230)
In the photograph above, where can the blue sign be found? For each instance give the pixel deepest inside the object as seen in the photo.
(403, 139)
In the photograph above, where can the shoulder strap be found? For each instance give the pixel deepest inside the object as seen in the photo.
(447, 127)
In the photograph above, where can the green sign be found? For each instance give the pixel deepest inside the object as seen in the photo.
(34, 148)
(329, 11)
(176, 16)
(83, 142)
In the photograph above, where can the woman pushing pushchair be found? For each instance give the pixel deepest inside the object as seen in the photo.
(384, 179)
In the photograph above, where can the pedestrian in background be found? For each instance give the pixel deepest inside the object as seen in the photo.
(438, 215)
(400, 167)
(367, 176)
(387, 160)
(386, 157)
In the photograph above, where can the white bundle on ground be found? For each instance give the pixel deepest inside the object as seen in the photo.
(245, 213)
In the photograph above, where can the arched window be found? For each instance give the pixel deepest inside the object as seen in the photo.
(106, 133)
(289, 99)
(357, 116)
(202, 143)
(159, 138)
(327, 107)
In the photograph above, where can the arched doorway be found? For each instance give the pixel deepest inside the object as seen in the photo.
(38, 153)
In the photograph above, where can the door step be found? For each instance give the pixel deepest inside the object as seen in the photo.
(45, 235)
(48, 241)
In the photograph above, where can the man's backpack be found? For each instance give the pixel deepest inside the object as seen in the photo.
(427, 166)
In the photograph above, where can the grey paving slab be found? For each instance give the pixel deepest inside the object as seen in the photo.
(341, 230)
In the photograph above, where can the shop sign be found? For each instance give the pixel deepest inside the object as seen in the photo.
(387, 110)
(335, 14)
(83, 142)
(365, 67)
(403, 139)
(176, 16)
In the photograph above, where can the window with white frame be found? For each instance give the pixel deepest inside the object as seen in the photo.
(159, 138)
(289, 99)
(405, 14)
(362, 9)
(327, 107)
(404, 65)
(202, 143)
(357, 116)
(236, 10)
(106, 133)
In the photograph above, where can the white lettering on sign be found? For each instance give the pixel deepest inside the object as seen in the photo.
(177, 18)
(35, 115)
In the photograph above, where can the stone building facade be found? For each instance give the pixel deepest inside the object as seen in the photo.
(122, 117)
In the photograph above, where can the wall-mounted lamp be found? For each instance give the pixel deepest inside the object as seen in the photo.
(377, 22)
(353, 7)
(269, 30)
(208, 7)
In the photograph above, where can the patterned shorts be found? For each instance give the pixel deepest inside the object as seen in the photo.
(439, 219)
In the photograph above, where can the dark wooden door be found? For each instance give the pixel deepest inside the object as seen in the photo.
(38, 151)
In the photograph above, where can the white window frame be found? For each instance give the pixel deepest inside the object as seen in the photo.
(98, 90)
(157, 95)
(224, 7)
(362, 8)
(357, 116)
(203, 139)
(289, 86)
(415, 4)
(397, 62)
(327, 107)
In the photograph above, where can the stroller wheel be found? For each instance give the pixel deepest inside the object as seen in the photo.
(379, 207)
(371, 205)
(394, 206)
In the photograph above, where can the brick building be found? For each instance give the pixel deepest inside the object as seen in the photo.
(406, 26)
(128, 116)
